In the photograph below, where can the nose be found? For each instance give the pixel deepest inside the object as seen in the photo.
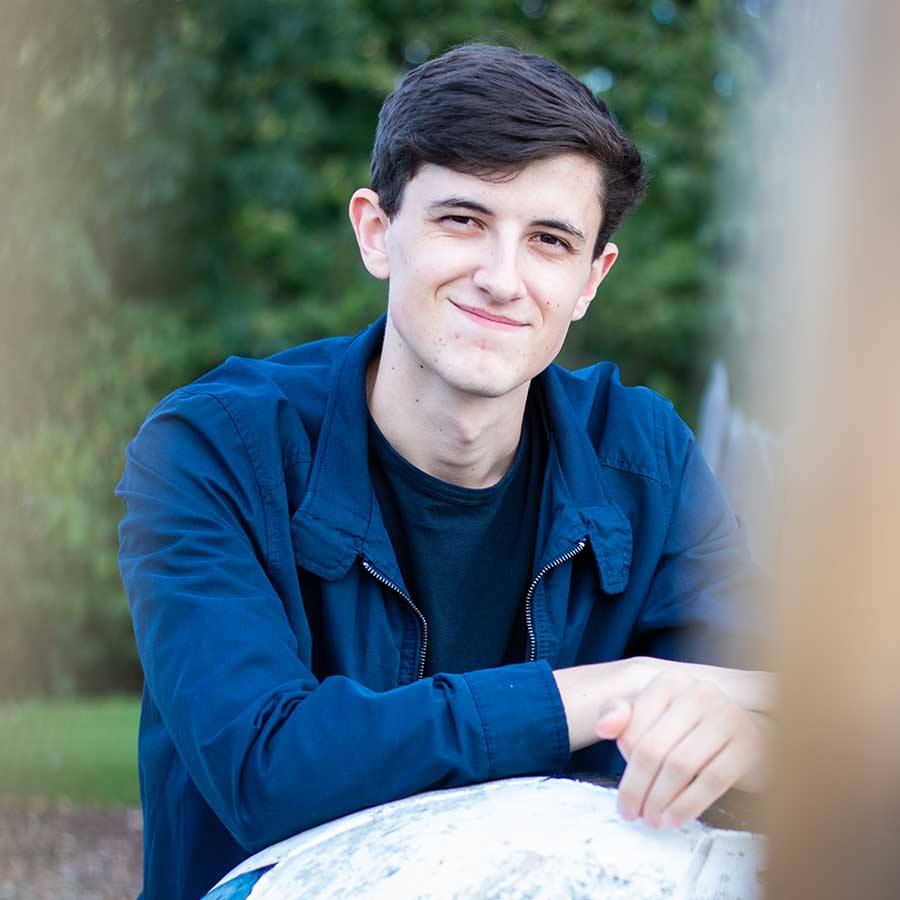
(499, 275)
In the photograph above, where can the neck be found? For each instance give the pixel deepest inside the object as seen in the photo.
(466, 440)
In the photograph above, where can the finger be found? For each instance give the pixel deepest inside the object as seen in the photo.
(761, 735)
(613, 719)
(649, 755)
(687, 758)
(649, 705)
(720, 774)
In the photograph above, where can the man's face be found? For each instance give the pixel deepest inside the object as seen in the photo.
(486, 276)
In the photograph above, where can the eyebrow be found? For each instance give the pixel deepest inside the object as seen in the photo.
(473, 205)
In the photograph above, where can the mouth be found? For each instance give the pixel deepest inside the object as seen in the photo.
(489, 320)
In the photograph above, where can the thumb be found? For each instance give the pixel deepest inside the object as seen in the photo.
(613, 719)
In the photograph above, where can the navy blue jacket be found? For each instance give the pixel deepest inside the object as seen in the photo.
(282, 654)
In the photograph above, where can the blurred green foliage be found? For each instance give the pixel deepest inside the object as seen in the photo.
(176, 175)
(81, 750)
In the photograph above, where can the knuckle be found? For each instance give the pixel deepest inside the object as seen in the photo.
(717, 780)
(733, 716)
(680, 766)
(646, 756)
(675, 682)
(755, 741)
(666, 686)
(707, 693)
(644, 668)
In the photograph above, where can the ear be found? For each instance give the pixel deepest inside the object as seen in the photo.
(370, 226)
(599, 267)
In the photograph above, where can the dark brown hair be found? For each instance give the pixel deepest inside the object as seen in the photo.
(489, 111)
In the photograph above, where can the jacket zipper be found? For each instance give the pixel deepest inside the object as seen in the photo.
(424, 632)
(531, 656)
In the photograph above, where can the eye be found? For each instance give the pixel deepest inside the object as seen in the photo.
(551, 240)
(460, 220)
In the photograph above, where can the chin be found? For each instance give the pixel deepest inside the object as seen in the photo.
(486, 391)
(486, 384)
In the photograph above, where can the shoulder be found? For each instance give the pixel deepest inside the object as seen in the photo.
(301, 377)
(274, 405)
(632, 428)
(299, 374)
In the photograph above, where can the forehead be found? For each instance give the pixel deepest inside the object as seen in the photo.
(561, 187)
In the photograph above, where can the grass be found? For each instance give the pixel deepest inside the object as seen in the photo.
(81, 750)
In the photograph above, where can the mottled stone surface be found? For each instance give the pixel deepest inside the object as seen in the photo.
(520, 838)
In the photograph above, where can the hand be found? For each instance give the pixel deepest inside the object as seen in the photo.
(686, 743)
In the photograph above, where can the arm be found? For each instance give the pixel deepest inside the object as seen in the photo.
(587, 690)
(687, 731)
(272, 748)
(708, 598)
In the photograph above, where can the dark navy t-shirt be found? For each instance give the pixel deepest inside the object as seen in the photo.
(465, 554)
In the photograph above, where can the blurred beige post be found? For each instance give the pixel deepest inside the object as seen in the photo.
(835, 802)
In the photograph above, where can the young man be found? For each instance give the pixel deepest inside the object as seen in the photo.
(424, 556)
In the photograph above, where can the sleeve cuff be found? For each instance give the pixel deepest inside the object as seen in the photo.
(523, 718)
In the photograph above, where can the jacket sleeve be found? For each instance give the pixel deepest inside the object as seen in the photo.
(272, 749)
(707, 596)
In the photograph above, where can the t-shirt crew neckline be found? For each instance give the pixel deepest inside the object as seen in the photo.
(436, 487)
(465, 555)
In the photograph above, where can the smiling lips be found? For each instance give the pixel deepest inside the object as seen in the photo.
(489, 320)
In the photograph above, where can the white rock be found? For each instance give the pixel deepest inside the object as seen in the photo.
(519, 838)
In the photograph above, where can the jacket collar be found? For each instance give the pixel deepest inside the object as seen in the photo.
(575, 484)
(339, 519)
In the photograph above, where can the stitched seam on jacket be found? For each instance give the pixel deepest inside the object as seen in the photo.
(670, 493)
(661, 443)
(326, 429)
(337, 570)
(296, 460)
(623, 465)
(484, 728)
(253, 468)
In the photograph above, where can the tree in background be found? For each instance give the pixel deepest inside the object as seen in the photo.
(177, 177)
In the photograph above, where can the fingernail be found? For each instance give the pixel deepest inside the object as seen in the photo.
(669, 819)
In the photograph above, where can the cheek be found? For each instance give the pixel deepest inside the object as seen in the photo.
(559, 298)
(553, 341)
(448, 258)
(423, 271)
(557, 286)
(557, 311)
(409, 322)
